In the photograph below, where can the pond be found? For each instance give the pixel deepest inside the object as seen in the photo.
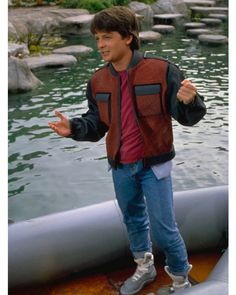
(49, 174)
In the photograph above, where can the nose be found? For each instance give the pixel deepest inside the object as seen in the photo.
(100, 43)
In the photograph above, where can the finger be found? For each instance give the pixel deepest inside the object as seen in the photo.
(188, 84)
(185, 82)
(52, 125)
(185, 97)
(179, 96)
(190, 87)
(187, 90)
(60, 115)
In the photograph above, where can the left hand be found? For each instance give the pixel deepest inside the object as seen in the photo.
(186, 92)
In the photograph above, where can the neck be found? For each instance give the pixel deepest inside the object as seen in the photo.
(123, 63)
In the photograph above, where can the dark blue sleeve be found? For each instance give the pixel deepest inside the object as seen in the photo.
(88, 127)
(185, 114)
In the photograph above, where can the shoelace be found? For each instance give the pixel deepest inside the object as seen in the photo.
(140, 271)
(175, 287)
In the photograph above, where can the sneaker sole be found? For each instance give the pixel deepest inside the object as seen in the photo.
(137, 290)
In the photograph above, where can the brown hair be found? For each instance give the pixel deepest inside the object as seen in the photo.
(119, 19)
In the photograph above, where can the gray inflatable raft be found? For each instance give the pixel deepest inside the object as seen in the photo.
(48, 247)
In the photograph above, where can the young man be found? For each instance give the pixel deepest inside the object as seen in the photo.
(132, 98)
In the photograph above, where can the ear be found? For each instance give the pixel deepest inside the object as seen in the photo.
(129, 39)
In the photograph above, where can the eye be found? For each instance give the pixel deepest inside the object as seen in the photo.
(107, 37)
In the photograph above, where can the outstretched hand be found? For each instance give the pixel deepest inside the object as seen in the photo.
(61, 127)
(186, 92)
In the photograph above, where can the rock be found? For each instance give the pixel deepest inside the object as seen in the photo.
(223, 17)
(194, 25)
(169, 6)
(12, 33)
(212, 39)
(199, 2)
(205, 11)
(142, 9)
(17, 50)
(20, 78)
(76, 24)
(169, 18)
(212, 21)
(149, 36)
(163, 29)
(196, 32)
(41, 20)
(51, 60)
(76, 50)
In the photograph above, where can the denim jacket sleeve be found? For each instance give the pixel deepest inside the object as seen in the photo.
(185, 114)
(88, 127)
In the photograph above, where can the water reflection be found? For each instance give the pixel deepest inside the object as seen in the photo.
(49, 174)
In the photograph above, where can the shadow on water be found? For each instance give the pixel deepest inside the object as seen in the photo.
(49, 174)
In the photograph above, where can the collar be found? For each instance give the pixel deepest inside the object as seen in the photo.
(137, 56)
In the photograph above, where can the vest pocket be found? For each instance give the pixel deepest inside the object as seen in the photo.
(104, 106)
(148, 99)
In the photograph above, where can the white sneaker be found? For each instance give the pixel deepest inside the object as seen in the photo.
(179, 283)
(144, 274)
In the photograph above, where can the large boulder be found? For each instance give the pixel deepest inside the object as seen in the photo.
(17, 50)
(169, 6)
(142, 9)
(20, 77)
(12, 33)
(39, 20)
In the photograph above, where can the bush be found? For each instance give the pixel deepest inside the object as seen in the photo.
(147, 1)
(121, 2)
(93, 5)
(70, 3)
(90, 5)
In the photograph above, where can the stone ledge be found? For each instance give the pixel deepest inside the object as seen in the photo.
(194, 25)
(75, 50)
(199, 2)
(196, 32)
(213, 39)
(163, 29)
(207, 10)
(212, 21)
(149, 36)
(51, 60)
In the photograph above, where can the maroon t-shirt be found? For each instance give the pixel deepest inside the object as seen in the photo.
(131, 140)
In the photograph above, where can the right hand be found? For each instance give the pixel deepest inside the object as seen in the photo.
(61, 127)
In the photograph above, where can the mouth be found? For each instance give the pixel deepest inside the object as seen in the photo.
(104, 53)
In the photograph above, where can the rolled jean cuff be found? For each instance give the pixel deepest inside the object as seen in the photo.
(138, 255)
(182, 273)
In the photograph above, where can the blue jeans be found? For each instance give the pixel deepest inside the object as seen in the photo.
(145, 200)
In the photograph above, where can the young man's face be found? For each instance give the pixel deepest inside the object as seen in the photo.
(112, 46)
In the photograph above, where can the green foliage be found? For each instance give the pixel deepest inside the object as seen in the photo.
(121, 2)
(147, 1)
(70, 3)
(90, 5)
(93, 5)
